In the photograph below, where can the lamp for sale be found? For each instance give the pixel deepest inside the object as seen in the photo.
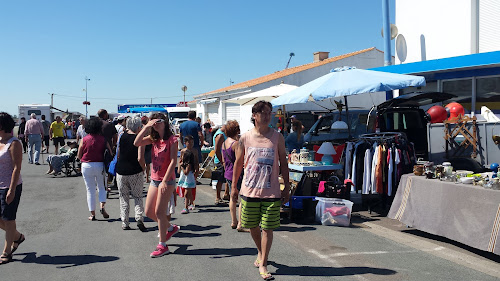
(327, 150)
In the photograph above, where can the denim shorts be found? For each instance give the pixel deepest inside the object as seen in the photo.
(8, 212)
(157, 183)
(230, 183)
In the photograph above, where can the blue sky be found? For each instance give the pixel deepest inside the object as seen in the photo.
(137, 50)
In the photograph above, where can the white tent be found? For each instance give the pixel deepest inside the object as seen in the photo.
(267, 94)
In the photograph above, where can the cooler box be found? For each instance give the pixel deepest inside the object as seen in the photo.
(333, 211)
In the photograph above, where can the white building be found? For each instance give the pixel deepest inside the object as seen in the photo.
(455, 45)
(447, 28)
(210, 106)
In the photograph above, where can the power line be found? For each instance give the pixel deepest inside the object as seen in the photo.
(79, 97)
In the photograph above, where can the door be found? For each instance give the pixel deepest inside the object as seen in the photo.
(232, 112)
(213, 112)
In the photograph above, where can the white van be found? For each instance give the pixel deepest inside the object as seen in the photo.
(25, 111)
(178, 112)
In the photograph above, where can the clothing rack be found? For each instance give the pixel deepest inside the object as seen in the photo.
(383, 136)
(393, 141)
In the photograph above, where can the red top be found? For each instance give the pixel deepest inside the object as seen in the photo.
(93, 148)
(161, 158)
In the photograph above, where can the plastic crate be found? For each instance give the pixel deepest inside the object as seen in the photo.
(297, 201)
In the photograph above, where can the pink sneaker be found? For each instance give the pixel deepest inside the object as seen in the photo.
(174, 231)
(160, 251)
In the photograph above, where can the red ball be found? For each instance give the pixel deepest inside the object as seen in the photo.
(455, 110)
(438, 114)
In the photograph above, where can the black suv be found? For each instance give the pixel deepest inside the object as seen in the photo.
(403, 114)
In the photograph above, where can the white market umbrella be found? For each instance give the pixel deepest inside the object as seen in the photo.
(267, 94)
(342, 83)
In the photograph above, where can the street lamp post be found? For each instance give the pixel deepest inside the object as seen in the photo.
(86, 98)
(184, 89)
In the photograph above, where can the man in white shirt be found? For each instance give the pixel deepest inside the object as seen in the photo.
(120, 126)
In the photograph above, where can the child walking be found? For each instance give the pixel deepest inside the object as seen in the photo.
(187, 180)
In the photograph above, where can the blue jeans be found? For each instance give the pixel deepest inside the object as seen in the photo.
(36, 141)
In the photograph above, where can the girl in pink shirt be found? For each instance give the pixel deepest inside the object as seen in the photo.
(160, 192)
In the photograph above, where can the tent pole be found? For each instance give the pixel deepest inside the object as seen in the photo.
(284, 122)
(347, 117)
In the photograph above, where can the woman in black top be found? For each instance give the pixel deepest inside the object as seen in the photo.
(130, 173)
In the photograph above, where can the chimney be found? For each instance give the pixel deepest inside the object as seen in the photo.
(319, 56)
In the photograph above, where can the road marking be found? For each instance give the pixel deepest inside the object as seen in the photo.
(470, 261)
(372, 253)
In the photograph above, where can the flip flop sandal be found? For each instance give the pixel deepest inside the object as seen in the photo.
(241, 229)
(266, 275)
(5, 258)
(18, 242)
(256, 263)
(92, 218)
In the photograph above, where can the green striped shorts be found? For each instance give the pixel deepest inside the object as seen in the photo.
(255, 211)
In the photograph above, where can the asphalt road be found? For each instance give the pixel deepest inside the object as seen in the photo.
(61, 244)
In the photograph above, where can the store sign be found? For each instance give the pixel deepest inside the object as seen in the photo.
(182, 104)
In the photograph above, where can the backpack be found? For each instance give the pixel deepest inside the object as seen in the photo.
(108, 157)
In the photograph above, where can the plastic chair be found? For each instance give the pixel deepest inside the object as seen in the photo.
(206, 164)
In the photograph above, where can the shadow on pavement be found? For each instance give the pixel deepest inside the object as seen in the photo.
(212, 210)
(192, 227)
(295, 229)
(181, 234)
(484, 254)
(65, 261)
(282, 269)
(216, 253)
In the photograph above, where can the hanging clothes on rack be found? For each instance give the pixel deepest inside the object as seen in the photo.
(378, 162)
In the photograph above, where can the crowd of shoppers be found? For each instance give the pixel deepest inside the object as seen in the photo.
(250, 164)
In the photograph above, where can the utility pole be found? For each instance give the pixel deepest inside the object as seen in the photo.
(184, 89)
(86, 98)
(51, 100)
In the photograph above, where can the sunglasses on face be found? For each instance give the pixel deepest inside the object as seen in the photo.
(159, 121)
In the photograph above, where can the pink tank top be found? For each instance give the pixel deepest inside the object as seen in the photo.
(6, 166)
(261, 166)
(161, 158)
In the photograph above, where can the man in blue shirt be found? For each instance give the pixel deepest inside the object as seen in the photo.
(193, 129)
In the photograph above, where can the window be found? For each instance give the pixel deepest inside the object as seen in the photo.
(462, 88)
(37, 112)
(488, 93)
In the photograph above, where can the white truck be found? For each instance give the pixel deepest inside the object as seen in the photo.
(25, 111)
(177, 116)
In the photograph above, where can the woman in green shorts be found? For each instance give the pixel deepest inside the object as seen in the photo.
(262, 152)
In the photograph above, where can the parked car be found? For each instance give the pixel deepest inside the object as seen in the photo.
(322, 130)
(176, 123)
(404, 114)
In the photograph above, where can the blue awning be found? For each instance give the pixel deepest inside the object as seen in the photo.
(481, 64)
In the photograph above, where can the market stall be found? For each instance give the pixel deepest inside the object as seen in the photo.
(468, 214)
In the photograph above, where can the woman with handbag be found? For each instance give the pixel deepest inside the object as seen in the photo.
(91, 154)
(129, 170)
